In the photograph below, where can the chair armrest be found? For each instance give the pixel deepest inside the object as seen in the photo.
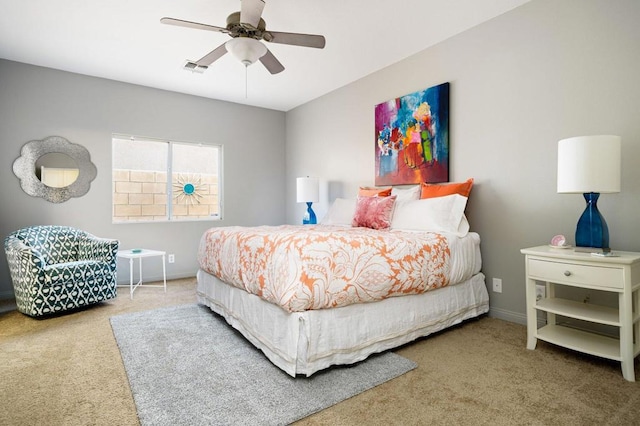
(25, 263)
(91, 247)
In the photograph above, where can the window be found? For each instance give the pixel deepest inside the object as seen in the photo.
(158, 180)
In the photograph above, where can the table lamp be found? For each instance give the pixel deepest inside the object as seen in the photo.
(308, 189)
(590, 165)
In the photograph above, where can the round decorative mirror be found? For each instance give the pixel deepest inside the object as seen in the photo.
(54, 169)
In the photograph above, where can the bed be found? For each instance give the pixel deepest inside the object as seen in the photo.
(312, 296)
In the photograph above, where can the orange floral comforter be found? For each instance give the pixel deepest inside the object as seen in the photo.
(316, 267)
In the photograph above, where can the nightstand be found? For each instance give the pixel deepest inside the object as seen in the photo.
(565, 267)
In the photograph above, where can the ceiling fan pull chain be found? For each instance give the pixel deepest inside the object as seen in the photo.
(246, 91)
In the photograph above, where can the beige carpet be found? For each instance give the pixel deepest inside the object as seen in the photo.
(67, 371)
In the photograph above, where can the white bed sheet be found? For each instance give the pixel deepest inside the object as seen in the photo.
(466, 260)
(309, 341)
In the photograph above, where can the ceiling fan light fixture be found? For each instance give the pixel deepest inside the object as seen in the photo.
(246, 49)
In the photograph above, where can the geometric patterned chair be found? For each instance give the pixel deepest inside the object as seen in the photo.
(57, 268)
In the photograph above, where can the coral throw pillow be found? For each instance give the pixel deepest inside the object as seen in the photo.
(429, 190)
(371, 191)
(374, 212)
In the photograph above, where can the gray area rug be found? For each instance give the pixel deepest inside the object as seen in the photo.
(187, 366)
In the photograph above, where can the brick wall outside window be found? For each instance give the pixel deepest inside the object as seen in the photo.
(140, 195)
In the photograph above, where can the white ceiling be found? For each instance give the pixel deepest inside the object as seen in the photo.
(124, 40)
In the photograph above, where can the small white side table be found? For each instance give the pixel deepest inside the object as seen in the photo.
(129, 254)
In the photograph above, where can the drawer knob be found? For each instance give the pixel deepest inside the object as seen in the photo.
(567, 273)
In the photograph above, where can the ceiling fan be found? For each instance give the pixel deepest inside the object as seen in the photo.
(246, 28)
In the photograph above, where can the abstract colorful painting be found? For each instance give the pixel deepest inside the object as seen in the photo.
(412, 138)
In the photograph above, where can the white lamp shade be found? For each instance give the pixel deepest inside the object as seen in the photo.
(246, 49)
(589, 164)
(308, 189)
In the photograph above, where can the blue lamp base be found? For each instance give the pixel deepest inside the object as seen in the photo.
(309, 217)
(592, 230)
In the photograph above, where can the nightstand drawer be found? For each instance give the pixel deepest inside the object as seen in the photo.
(571, 273)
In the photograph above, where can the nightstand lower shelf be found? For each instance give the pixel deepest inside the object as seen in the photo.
(581, 311)
(578, 340)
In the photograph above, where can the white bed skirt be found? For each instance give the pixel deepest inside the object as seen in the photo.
(309, 341)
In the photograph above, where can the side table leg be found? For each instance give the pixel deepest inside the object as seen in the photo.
(626, 336)
(532, 315)
(131, 278)
(140, 266)
(164, 273)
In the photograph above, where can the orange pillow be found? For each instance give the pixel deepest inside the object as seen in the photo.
(372, 191)
(428, 190)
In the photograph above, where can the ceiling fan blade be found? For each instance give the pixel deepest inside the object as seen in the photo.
(306, 40)
(212, 56)
(271, 63)
(251, 11)
(189, 24)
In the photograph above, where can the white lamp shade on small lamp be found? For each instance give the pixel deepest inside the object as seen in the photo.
(589, 164)
(308, 189)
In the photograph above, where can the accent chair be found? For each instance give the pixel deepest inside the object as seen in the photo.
(58, 268)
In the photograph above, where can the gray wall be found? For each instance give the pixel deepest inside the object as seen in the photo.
(38, 102)
(519, 83)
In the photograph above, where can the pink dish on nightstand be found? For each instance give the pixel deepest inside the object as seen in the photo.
(558, 241)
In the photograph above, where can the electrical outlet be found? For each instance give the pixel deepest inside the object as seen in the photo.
(497, 285)
(541, 291)
(172, 258)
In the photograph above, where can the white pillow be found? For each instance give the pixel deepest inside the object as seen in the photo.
(340, 213)
(439, 214)
(406, 194)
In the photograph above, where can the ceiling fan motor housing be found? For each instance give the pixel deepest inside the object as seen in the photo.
(239, 29)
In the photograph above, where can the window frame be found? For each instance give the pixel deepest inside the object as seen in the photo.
(170, 181)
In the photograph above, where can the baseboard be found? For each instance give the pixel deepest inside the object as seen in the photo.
(506, 315)
(124, 281)
(6, 295)
(7, 304)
